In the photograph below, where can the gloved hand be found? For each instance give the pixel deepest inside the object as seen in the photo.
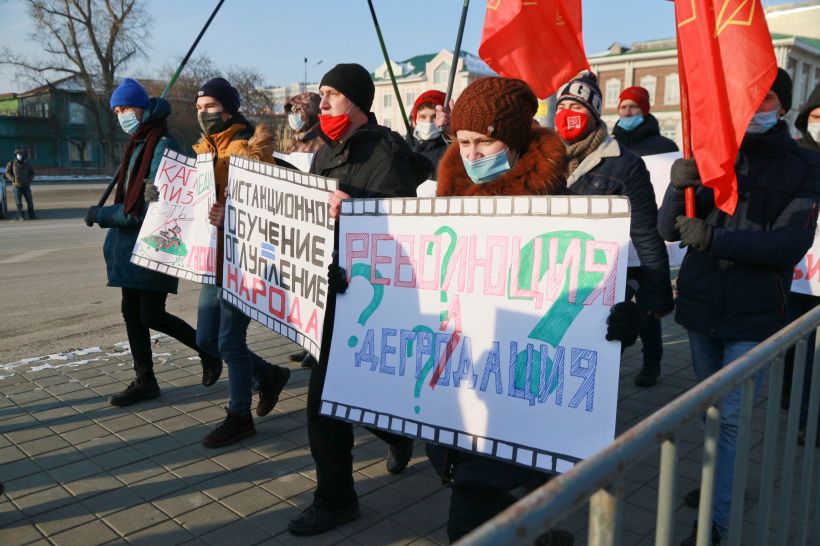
(624, 323)
(91, 215)
(337, 278)
(151, 192)
(684, 174)
(694, 232)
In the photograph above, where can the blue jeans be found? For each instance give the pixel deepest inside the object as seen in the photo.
(19, 194)
(709, 355)
(222, 330)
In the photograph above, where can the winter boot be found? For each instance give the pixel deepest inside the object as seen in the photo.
(693, 538)
(648, 376)
(297, 356)
(271, 388)
(211, 369)
(556, 537)
(398, 457)
(235, 427)
(316, 520)
(142, 388)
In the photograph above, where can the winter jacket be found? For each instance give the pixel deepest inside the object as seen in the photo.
(19, 173)
(124, 228)
(612, 170)
(307, 141)
(802, 121)
(433, 150)
(645, 139)
(242, 140)
(738, 289)
(372, 162)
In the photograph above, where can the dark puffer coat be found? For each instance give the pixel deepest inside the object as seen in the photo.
(645, 139)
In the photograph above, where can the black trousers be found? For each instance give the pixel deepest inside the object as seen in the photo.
(144, 310)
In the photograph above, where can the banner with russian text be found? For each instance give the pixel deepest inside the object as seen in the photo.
(176, 237)
(806, 278)
(479, 323)
(278, 245)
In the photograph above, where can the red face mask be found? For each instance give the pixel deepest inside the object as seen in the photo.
(334, 126)
(571, 124)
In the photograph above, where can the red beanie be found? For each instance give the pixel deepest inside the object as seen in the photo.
(433, 96)
(638, 95)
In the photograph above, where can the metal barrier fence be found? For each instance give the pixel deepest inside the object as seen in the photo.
(599, 480)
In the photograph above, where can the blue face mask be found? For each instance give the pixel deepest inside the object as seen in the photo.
(762, 122)
(296, 122)
(129, 122)
(487, 168)
(630, 123)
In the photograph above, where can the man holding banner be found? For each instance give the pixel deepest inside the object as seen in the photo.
(369, 161)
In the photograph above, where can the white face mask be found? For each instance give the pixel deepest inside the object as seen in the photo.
(426, 130)
(814, 130)
(295, 121)
(19, 157)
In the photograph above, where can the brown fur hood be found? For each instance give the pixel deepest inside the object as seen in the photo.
(540, 170)
(237, 140)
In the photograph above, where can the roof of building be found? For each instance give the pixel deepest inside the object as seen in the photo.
(417, 66)
(792, 6)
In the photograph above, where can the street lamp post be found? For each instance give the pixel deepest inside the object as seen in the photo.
(304, 82)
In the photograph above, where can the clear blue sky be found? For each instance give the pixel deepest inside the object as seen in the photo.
(274, 36)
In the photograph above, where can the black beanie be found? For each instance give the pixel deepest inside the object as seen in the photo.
(224, 92)
(782, 87)
(354, 82)
(584, 90)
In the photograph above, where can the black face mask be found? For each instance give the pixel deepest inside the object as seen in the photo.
(211, 123)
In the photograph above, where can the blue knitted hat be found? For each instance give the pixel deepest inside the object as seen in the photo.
(129, 93)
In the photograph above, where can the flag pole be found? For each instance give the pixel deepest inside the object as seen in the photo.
(456, 56)
(390, 69)
(689, 193)
(165, 92)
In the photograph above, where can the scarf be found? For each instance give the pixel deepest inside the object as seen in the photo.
(577, 151)
(130, 192)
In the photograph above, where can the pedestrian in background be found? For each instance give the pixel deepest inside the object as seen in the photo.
(20, 173)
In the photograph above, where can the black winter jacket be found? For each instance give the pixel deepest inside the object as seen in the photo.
(645, 139)
(433, 150)
(613, 170)
(738, 289)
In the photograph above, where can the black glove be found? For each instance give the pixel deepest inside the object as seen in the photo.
(685, 174)
(91, 215)
(337, 278)
(151, 193)
(694, 232)
(624, 323)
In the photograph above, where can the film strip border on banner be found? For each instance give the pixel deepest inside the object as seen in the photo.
(287, 175)
(182, 158)
(207, 157)
(272, 323)
(202, 278)
(543, 460)
(541, 205)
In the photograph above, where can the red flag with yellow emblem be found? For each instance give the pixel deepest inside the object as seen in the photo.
(538, 41)
(729, 65)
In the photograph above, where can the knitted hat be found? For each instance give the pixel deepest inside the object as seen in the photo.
(224, 92)
(309, 103)
(433, 96)
(354, 82)
(584, 90)
(129, 93)
(638, 95)
(500, 108)
(782, 87)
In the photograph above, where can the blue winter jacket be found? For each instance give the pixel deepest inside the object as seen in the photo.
(124, 228)
(738, 289)
(613, 170)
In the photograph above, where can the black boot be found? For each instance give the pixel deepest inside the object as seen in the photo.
(297, 356)
(271, 388)
(235, 427)
(316, 520)
(308, 361)
(398, 457)
(142, 388)
(714, 537)
(211, 369)
(648, 376)
(556, 537)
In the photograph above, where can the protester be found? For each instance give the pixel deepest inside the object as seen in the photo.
(427, 136)
(637, 130)
(369, 161)
(735, 278)
(498, 151)
(808, 122)
(20, 173)
(303, 119)
(598, 165)
(143, 291)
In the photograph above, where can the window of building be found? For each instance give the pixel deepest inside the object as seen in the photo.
(791, 68)
(613, 90)
(75, 149)
(650, 83)
(387, 102)
(670, 132)
(442, 73)
(386, 123)
(76, 113)
(671, 89)
(29, 150)
(410, 99)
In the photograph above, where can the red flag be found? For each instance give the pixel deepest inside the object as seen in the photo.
(538, 41)
(729, 66)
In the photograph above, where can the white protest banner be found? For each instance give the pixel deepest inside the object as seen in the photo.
(659, 167)
(806, 278)
(278, 245)
(300, 160)
(176, 237)
(479, 323)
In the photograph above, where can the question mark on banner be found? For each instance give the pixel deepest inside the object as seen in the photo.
(429, 365)
(363, 270)
(445, 263)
